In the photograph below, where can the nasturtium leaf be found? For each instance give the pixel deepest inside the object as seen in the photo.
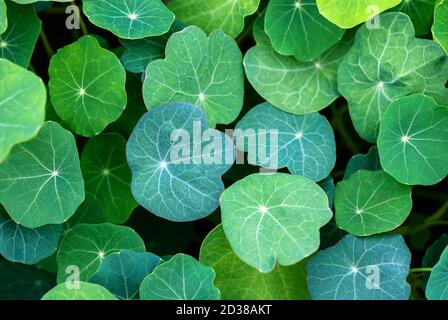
(227, 16)
(87, 86)
(238, 281)
(440, 27)
(371, 202)
(86, 245)
(421, 13)
(3, 17)
(85, 291)
(139, 53)
(433, 253)
(22, 282)
(276, 139)
(123, 272)
(369, 161)
(349, 13)
(297, 28)
(28, 246)
(371, 268)
(22, 106)
(41, 181)
(274, 219)
(35, 1)
(204, 70)
(330, 234)
(18, 41)
(107, 176)
(413, 140)
(177, 162)
(130, 19)
(385, 64)
(437, 286)
(180, 278)
(290, 85)
(328, 186)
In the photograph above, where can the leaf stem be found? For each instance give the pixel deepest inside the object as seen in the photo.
(414, 270)
(46, 43)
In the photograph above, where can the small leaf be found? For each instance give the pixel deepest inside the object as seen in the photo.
(139, 53)
(181, 278)
(274, 219)
(369, 161)
(371, 268)
(413, 141)
(440, 27)
(437, 287)
(41, 181)
(86, 291)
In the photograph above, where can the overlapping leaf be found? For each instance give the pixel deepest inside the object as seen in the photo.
(369, 161)
(139, 53)
(85, 291)
(421, 13)
(440, 27)
(437, 287)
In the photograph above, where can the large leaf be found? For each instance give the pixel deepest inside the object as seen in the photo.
(413, 141)
(205, 71)
(385, 64)
(86, 291)
(369, 161)
(440, 27)
(437, 287)
(87, 245)
(18, 41)
(297, 28)
(181, 278)
(371, 202)
(237, 280)
(304, 144)
(421, 13)
(87, 86)
(349, 13)
(41, 181)
(130, 19)
(175, 173)
(22, 106)
(108, 177)
(371, 268)
(274, 219)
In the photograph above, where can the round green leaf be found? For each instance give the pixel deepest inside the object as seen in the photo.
(297, 28)
(18, 41)
(123, 272)
(209, 15)
(86, 245)
(421, 13)
(22, 106)
(139, 53)
(87, 86)
(440, 27)
(86, 291)
(413, 141)
(371, 268)
(181, 278)
(41, 181)
(130, 19)
(437, 287)
(205, 71)
(238, 281)
(274, 219)
(175, 173)
(304, 144)
(369, 161)
(107, 176)
(349, 13)
(385, 64)
(371, 202)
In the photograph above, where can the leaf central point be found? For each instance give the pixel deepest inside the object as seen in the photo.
(263, 209)
(132, 16)
(3, 44)
(405, 139)
(163, 165)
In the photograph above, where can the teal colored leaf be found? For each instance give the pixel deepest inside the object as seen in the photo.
(123, 272)
(349, 13)
(107, 176)
(432, 255)
(297, 28)
(369, 161)
(28, 246)
(238, 281)
(304, 144)
(413, 141)
(371, 268)
(171, 176)
(290, 85)
(180, 278)
(41, 181)
(421, 13)
(130, 19)
(18, 41)
(86, 291)
(87, 86)
(385, 64)
(227, 16)
(437, 287)
(274, 219)
(371, 202)
(86, 245)
(440, 26)
(328, 186)
(139, 53)
(3, 17)
(205, 71)
(22, 106)
(22, 282)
